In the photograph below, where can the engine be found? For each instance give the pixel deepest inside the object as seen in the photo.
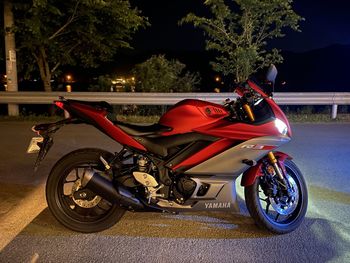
(183, 188)
(143, 172)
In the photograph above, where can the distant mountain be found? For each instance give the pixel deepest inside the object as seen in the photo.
(325, 69)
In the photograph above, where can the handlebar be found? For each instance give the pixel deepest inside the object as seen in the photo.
(241, 109)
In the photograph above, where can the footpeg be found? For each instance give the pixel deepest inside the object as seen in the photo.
(152, 192)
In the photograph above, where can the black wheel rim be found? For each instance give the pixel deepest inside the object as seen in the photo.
(70, 206)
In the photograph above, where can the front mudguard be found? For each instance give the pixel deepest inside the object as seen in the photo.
(249, 176)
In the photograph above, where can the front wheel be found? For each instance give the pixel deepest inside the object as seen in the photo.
(274, 209)
(73, 206)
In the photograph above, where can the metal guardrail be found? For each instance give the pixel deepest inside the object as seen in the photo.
(287, 98)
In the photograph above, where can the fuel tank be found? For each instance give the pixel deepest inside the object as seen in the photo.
(189, 114)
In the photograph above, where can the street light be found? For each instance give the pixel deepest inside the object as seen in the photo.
(68, 78)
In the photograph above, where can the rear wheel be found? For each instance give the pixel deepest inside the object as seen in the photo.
(77, 208)
(275, 209)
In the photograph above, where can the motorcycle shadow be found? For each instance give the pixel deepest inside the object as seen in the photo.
(186, 225)
(200, 225)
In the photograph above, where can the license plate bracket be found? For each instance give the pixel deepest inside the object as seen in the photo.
(34, 144)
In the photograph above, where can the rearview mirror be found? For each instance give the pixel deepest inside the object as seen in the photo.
(271, 74)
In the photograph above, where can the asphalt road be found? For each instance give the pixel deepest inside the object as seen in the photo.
(29, 233)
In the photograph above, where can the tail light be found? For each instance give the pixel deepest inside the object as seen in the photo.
(59, 104)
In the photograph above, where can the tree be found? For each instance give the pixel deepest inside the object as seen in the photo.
(52, 33)
(239, 30)
(104, 84)
(158, 74)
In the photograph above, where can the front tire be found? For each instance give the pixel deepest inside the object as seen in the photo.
(271, 214)
(90, 214)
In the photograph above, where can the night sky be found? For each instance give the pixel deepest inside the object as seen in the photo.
(308, 65)
(326, 22)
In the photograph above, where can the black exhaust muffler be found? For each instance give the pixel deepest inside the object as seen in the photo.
(104, 188)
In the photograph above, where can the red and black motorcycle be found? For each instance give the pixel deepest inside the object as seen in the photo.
(188, 161)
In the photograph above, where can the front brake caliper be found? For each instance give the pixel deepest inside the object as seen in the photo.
(268, 185)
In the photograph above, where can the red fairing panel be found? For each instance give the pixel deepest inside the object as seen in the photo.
(250, 175)
(189, 114)
(99, 116)
(239, 131)
(206, 153)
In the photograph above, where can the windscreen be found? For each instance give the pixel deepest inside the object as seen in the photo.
(262, 111)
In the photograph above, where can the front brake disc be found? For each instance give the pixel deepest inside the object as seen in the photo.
(287, 204)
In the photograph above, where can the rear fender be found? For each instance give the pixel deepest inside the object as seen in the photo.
(46, 130)
(251, 174)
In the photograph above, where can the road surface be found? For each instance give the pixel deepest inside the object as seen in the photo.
(29, 233)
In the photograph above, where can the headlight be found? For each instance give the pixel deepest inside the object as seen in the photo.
(281, 126)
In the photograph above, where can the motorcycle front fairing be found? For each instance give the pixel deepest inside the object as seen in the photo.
(248, 141)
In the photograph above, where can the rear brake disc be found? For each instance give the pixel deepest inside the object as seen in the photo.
(83, 202)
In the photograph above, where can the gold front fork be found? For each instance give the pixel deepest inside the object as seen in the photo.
(273, 161)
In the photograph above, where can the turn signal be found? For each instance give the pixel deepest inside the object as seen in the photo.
(249, 112)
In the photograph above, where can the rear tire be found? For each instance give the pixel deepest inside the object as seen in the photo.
(83, 215)
(265, 217)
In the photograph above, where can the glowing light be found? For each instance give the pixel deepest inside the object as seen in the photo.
(281, 126)
(68, 77)
(59, 104)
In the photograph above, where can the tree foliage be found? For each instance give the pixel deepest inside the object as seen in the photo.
(104, 84)
(158, 74)
(53, 33)
(239, 31)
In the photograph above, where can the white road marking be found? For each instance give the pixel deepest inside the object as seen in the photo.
(14, 221)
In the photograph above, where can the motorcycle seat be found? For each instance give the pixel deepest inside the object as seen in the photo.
(142, 130)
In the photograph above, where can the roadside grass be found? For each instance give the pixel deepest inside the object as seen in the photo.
(317, 118)
(293, 118)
